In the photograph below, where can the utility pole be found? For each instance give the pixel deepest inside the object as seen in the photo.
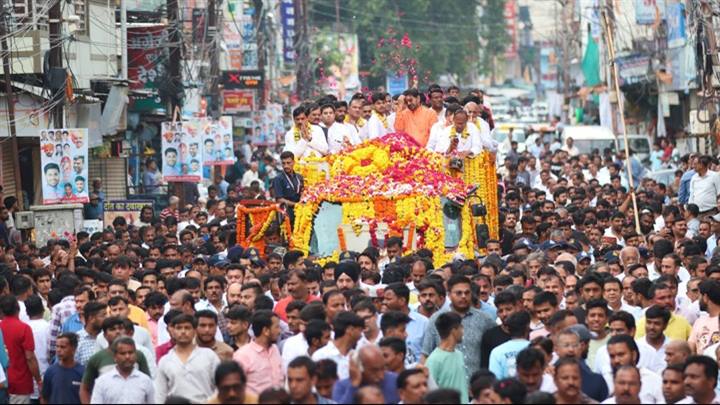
(174, 62)
(709, 29)
(10, 96)
(261, 41)
(211, 37)
(565, 60)
(56, 65)
(302, 46)
(123, 40)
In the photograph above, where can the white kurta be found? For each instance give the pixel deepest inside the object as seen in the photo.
(360, 132)
(486, 139)
(302, 148)
(469, 144)
(435, 134)
(337, 133)
(375, 127)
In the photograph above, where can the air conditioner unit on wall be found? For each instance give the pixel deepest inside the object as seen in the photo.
(24, 220)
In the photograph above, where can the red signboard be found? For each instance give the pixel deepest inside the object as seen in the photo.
(146, 61)
(238, 101)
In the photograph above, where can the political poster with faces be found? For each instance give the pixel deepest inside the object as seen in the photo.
(64, 160)
(218, 141)
(182, 158)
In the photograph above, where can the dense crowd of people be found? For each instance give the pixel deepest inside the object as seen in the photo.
(574, 302)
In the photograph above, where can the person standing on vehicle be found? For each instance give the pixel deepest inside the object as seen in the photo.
(704, 187)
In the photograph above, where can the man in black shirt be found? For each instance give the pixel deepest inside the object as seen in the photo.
(288, 185)
(507, 304)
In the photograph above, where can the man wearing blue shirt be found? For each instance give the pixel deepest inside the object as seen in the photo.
(367, 369)
(61, 382)
(684, 191)
(502, 358)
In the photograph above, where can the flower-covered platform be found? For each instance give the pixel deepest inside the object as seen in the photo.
(392, 180)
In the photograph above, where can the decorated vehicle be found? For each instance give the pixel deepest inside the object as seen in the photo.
(391, 186)
(261, 224)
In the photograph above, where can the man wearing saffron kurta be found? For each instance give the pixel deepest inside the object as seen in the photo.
(415, 120)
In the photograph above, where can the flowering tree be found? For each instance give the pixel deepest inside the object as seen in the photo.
(396, 54)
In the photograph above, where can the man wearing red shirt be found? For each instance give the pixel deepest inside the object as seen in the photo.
(297, 290)
(20, 345)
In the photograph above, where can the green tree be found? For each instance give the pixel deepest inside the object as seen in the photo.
(444, 35)
(495, 37)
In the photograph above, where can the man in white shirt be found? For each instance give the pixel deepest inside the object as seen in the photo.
(124, 384)
(624, 352)
(654, 342)
(701, 373)
(377, 125)
(354, 120)
(474, 110)
(187, 370)
(436, 131)
(570, 147)
(348, 328)
(251, 175)
(304, 139)
(620, 323)
(339, 136)
(627, 381)
(613, 234)
(460, 138)
(704, 187)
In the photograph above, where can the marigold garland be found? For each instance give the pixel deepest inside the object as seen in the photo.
(342, 244)
(310, 170)
(464, 135)
(382, 118)
(256, 235)
(260, 219)
(360, 121)
(393, 180)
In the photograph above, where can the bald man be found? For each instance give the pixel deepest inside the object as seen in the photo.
(474, 111)
(677, 352)
(370, 372)
(629, 255)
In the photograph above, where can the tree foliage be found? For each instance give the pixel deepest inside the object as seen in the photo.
(493, 32)
(443, 34)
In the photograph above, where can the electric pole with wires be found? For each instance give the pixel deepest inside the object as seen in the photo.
(57, 74)
(9, 95)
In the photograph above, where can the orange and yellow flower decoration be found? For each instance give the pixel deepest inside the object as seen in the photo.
(393, 180)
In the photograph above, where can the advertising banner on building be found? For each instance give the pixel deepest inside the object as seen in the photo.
(265, 126)
(243, 79)
(217, 140)
(633, 69)
(249, 36)
(287, 18)
(129, 209)
(146, 61)
(647, 11)
(64, 165)
(338, 58)
(238, 101)
(676, 25)
(182, 159)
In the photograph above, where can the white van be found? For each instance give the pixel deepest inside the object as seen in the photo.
(588, 138)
